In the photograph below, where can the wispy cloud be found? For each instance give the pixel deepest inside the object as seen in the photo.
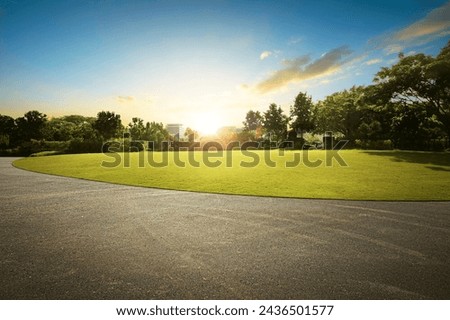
(265, 54)
(373, 61)
(125, 99)
(435, 24)
(302, 69)
(293, 41)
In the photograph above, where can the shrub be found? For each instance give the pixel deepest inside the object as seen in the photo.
(79, 145)
(374, 144)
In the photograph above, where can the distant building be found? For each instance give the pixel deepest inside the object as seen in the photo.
(175, 130)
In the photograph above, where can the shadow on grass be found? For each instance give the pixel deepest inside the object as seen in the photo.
(438, 168)
(439, 161)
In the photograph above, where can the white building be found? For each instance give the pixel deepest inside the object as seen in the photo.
(175, 129)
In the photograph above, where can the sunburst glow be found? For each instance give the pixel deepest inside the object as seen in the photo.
(207, 123)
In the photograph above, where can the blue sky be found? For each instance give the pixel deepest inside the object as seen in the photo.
(201, 63)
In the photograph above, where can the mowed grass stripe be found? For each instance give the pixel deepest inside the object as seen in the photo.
(370, 175)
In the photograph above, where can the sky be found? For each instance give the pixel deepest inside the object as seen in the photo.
(201, 63)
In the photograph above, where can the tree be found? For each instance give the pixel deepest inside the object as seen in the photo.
(108, 124)
(31, 126)
(275, 122)
(191, 134)
(419, 80)
(78, 120)
(253, 120)
(341, 112)
(301, 114)
(7, 131)
(253, 125)
(227, 135)
(155, 131)
(136, 128)
(412, 127)
(58, 129)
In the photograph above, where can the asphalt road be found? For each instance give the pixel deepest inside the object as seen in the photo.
(63, 238)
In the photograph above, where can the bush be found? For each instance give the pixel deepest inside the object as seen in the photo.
(45, 153)
(374, 144)
(35, 146)
(79, 145)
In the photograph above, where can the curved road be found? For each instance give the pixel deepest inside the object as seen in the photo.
(63, 238)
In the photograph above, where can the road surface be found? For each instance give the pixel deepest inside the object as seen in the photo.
(64, 238)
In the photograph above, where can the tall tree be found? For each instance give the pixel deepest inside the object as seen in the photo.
(7, 130)
(341, 112)
(155, 131)
(108, 124)
(58, 129)
(253, 120)
(419, 80)
(31, 125)
(137, 129)
(275, 122)
(301, 114)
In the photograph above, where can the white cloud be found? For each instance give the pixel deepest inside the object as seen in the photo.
(125, 99)
(436, 24)
(265, 54)
(373, 61)
(393, 49)
(293, 41)
(302, 69)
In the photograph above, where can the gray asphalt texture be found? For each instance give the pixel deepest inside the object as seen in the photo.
(63, 238)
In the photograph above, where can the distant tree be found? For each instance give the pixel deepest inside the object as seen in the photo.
(84, 128)
(136, 128)
(31, 126)
(341, 112)
(155, 131)
(301, 114)
(7, 131)
(275, 122)
(108, 124)
(253, 120)
(78, 120)
(191, 134)
(245, 136)
(58, 129)
(227, 135)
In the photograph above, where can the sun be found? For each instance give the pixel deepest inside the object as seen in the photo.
(207, 123)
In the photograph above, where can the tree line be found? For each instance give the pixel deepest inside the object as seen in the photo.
(406, 107)
(34, 132)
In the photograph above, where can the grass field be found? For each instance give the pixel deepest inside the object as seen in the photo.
(368, 175)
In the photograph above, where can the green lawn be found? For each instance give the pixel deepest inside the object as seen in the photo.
(370, 175)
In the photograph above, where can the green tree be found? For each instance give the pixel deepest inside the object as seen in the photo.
(301, 114)
(31, 126)
(7, 131)
(253, 126)
(78, 120)
(155, 131)
(342, 112)
(191, 134)
(58, 129)
(419, 80)
(136, 128)
(253, 120)
(275, 123)
(108, 124)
